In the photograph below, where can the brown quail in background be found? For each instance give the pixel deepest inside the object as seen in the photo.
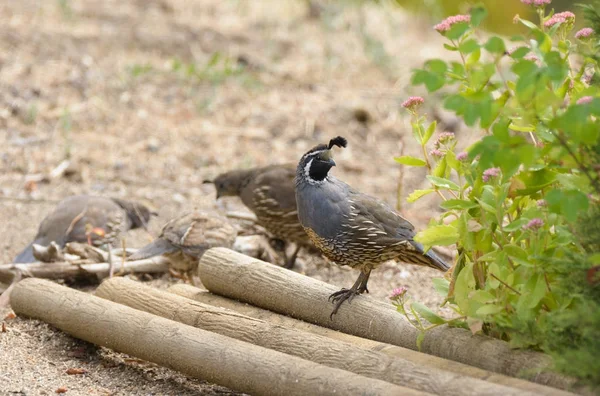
(352, 228)
(86, 218)
(269, 193)
(184, 239)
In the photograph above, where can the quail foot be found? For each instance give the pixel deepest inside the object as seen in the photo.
(269, 193)
(86, 218)
(352, 228)
(184, 239)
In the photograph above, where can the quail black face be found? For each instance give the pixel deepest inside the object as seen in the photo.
(316, 163)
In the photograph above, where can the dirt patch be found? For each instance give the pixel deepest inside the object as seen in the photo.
(147, 99)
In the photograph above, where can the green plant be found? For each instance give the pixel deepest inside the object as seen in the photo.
(515, 200)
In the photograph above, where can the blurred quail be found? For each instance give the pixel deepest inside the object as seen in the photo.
(86, 218)
(269, 193)
(349, 227)
(184, 239)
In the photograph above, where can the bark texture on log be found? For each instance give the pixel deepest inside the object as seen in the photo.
(206, 297)
(228, 273)
(68, 269)
(198, 353)
(305, 345)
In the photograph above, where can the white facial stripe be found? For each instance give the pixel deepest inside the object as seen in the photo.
(312, 154)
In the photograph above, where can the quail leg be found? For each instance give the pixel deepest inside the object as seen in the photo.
(290, 261)
(359, 287)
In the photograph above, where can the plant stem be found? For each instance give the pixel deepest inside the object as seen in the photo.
(505, 284)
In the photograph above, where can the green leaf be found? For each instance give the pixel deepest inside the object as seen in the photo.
(489, 309)
(418, 194)
(519, 128)
(428, 314)
(495, 45)
(468, 46)
(569, 203)
(443, 183)
(437, 66)
(491, 256)
(429, 132)
(437, 235)
(450, 47)
(458, 204)
(440, 168)
(536, 286)
(515, 225)
(432, 81)
(517, 253)
(478, 14)
(520, 52)
(457, 30)
(410, 161)
(529, 24)
(441, 285)
(487, 207)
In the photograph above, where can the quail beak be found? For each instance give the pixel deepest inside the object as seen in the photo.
(326, 157)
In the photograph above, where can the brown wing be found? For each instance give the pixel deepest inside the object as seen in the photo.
(272, 197)
(198, 231)
(377, 219)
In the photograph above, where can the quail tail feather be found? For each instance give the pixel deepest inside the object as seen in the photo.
(26, 256)
(429, 259)
(155, 248)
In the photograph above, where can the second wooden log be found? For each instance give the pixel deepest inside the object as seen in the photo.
(228, 273)
(308, 346)
(201, 354)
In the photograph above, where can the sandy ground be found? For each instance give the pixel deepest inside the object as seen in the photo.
(148, 98)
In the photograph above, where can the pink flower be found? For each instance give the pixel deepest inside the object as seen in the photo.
(531, 57)
(565, 14)
(584, 100)
(541, 203)
(584, 33)
(447, 23)
(413, 102)
(398, 293)
(490, 173)
(462, 156)
(444, 137)
(534, 224)
(436, 153)
(561, 17)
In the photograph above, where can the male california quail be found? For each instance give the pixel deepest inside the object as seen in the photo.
(269, 193)
(184, 239)
(85, 218)
(349, 227)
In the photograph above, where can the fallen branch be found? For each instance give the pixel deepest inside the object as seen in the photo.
(206, 297)
(319, 349)
(228, 273)
(69, 269)
(198, 353)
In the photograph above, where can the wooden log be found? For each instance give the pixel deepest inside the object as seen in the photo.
(305, 345)
(228, 273)
(201, 354)
(206, 297)
(68, 269)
